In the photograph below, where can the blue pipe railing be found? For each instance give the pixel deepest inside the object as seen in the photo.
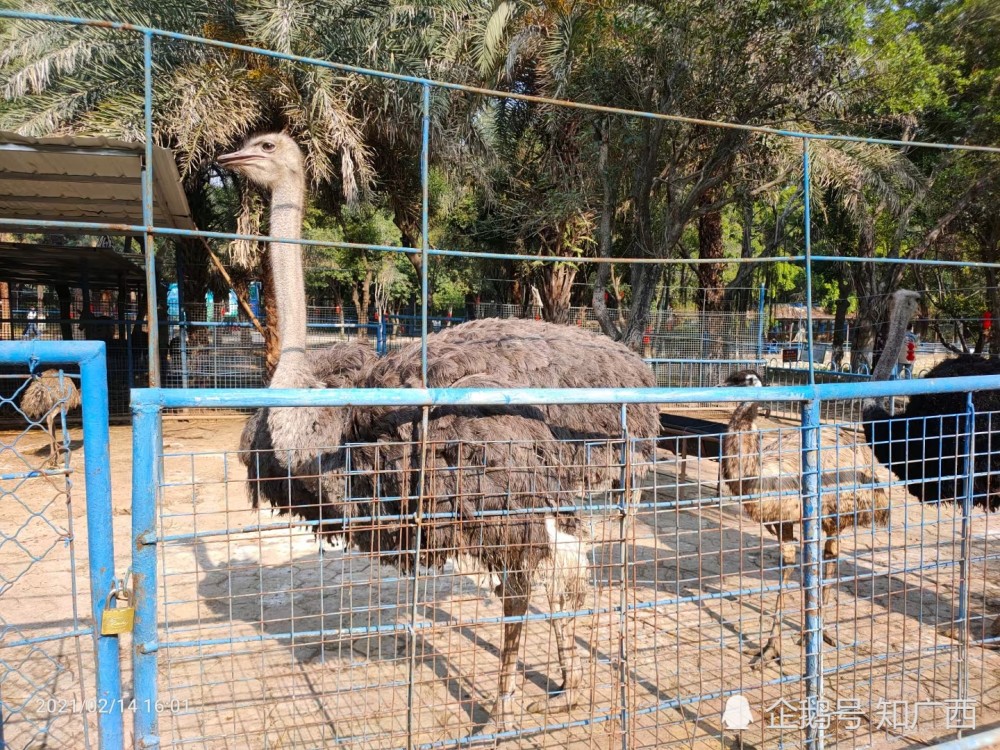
(257, 398)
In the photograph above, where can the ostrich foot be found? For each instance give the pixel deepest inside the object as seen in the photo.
(564, 699)
(501, 717)
(771, 652)
(828, 639)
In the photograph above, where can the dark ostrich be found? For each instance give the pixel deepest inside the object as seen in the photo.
(499, 483)
(925, 444)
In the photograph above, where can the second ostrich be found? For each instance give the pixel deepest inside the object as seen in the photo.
(924, 445)
(495, 485)
(45, 398)
(765, 475)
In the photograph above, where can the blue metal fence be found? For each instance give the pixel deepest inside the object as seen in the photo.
(49, 696)
(681, 592)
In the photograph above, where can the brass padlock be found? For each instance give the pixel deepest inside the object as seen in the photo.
(117, 620)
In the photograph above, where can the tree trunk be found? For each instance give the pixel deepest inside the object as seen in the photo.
(555, 289)
(366, 295)
(710, 246)
(840, 329)
(645, 277)
(604, 238)
(865, 280)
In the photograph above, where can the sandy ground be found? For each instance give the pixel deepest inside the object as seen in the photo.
(275, 643)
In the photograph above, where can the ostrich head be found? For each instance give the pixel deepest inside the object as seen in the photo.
(743, 378)
(904, 305)
(268, 160)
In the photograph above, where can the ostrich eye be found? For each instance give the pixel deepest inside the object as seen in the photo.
(267, 146)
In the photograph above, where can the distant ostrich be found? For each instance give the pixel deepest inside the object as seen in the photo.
(765, 474)
(487, 470)
(923, 445)
(46, 395)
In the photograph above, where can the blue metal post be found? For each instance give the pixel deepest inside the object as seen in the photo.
(425, 148)
(808, 243)
(380, 343)
(625, 510)
(100, 540)
(146, 441)
(811, 562)
(761, 322)
(147, 216)
(963, 585)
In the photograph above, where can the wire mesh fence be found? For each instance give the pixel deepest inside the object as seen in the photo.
(45, 648)
(270, 637)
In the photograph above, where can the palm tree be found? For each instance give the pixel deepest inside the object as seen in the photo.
(361, 135)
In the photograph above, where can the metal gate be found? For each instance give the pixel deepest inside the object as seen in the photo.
(248, 633)
(60, 679)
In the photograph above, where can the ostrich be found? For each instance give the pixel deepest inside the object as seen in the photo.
(46, 395)
(924, 444)
(765, 473)
(498, 483)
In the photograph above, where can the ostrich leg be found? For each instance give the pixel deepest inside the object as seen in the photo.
(565, 586)
(513, 592)
(831, 550)
(50, 420)
(564, 630)
(994, 631)
(771, 651)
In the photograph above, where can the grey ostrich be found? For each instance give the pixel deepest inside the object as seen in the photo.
(765, 474)
(500, 483)
(45, 397)
(923, 445)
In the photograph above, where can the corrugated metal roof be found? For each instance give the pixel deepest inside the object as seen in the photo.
(94, 179)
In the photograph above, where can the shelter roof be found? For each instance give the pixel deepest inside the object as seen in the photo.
(52, 265)
(92, 179)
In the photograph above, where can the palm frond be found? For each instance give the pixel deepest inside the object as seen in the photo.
(497, 27)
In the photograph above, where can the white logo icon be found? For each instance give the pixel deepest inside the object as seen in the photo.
(737, 715)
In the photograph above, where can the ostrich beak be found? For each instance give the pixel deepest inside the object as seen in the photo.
(235, 159)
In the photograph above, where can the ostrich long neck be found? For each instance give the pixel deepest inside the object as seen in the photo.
(893, 344)
(741, 450)
(289, 285)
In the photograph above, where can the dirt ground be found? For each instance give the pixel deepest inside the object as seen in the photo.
(272, 642)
